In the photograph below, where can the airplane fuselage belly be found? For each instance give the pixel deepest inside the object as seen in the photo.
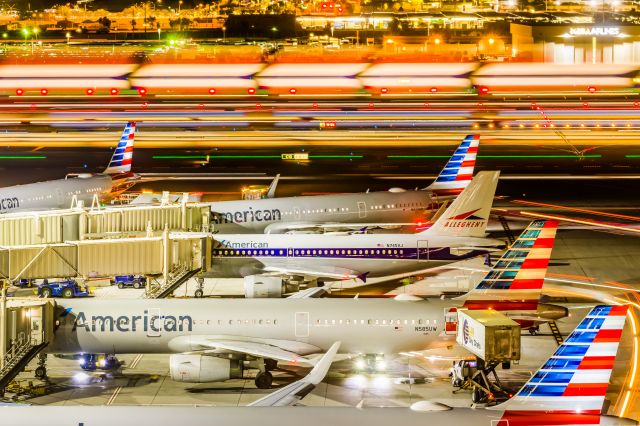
(171, 326)
(267, 215)
(55, 194)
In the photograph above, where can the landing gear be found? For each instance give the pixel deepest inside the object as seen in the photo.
(200, 290)
(41, 370)
(264, 380)
(270, 364)
(534, 330)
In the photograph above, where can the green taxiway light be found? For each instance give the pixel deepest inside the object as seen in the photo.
(23, 157)
(500, 156)
(632, 156)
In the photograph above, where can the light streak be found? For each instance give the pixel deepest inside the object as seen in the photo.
(582, 222)
(575, 209)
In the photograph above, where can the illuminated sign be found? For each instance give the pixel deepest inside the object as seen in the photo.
(595, 31)
(296, 156)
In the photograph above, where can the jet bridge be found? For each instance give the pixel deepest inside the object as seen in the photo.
(171, 258)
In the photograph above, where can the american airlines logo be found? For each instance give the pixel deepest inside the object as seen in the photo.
(9, 203)
(131, 323)
(244, 216)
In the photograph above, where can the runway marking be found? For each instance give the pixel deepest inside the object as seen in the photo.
(114, 395)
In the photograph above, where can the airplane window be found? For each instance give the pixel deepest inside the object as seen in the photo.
(326, 322)
(377, 251)
(361, 322)
(384, 252)
(325, 252)
(384, 322)
(314, 252)
(347, 322)
(366, 252)
(333, 322)
(370, 322)
(268, 322)
(281, 252)
(359, 251)
(348, 251)
(342, 251)
(406, 322)
(413, 322)
(340, 322)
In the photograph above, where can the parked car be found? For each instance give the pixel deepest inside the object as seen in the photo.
(135, 281)
(66, 288)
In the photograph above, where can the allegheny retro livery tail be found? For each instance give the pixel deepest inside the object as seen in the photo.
(468, 215)
(570, 388)
(457, 173)
(123, 154)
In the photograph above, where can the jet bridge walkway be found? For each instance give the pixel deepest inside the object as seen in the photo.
(26, 328)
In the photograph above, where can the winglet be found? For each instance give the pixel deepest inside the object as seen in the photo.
(458, 171)
(363, 277)
(295, 391)
(271, 193)
(320, 370)
(571, 386)
(123, 154)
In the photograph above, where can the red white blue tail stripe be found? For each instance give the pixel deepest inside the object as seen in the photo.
(571, 386)
(123, 154)
(515, 282)
(457, 173)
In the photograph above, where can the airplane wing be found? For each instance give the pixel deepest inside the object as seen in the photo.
(256, 349)
(310, 293)
(294, 392)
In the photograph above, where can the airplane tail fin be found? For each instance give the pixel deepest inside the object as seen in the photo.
(515, 281)
(458, 171)
(571, 386)
(468, 215)
(123, 154)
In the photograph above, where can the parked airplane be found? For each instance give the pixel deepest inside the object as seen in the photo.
(210, 339)
(569, 389)
(321, 213)
(61, 193)
(272, 263)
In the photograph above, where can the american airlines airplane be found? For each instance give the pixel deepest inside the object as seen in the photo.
(569, 389)
(272, 262)
(61, 193)
(322, 213)
(210, 339)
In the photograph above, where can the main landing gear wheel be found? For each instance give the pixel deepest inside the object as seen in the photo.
(41, 372)
(264, 380)
(198, 293)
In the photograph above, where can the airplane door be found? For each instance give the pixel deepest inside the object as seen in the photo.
(423, 250)
(362, 209)
(302, 324)
(155, 326)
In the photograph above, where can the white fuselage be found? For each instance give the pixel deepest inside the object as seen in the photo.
(271, 215)
(370, 326)
(377, 255)
(54, 194)
(24, 415)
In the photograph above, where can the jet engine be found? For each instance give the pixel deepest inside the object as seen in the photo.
(204, 368)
